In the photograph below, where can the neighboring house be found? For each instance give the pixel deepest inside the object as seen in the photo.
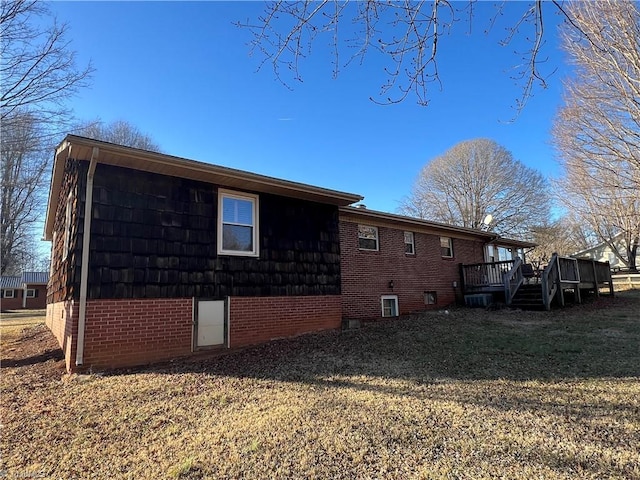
(155, 257)
(26, 291)
(603, 253)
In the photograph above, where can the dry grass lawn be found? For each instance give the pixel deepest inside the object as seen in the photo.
(469, 394)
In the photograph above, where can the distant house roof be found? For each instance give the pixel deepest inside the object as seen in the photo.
(11, 281)
(35, 278)
(411, 223)
(597, 247)
(27, 278)
(81, 148)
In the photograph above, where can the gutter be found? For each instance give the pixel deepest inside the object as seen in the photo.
(84, 268)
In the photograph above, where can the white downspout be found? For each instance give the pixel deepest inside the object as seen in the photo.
(84, 268)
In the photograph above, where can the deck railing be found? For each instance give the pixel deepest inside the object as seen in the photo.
(568, 268)
(562, 273)
(512, 280)
(550, 280)
(481, 275)
(593, 274)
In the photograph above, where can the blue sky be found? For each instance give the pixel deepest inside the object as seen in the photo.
(183, 73)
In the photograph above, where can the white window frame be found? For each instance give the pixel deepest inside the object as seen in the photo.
(30, 293)
(395, 300)
(412, 243)
(67, 227)
(6, 291)
(367, 238)
(450, 247)
(222, 194)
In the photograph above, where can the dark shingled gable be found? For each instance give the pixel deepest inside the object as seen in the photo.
(154, 236)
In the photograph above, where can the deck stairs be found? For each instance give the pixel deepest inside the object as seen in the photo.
(528, 297)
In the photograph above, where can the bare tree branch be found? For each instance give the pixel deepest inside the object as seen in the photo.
(408, 33)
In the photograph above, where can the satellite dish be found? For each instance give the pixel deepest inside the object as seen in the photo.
(487, 220)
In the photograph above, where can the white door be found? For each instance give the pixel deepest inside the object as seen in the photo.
(210, 323)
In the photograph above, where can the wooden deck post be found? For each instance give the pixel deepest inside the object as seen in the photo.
(463, 279)
(561, 291)
(610, 279)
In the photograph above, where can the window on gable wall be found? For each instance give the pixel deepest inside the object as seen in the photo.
(446, 247)
(237, 224)
(409, 243)
(67, 227)
(367, 237)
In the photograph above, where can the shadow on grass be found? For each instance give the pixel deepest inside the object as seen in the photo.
(599, 339)
(55, 354)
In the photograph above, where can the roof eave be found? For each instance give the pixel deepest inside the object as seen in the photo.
(118, 155)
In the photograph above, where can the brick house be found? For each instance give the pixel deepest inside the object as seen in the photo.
(24, 292)
(155, 257)
(393, 265)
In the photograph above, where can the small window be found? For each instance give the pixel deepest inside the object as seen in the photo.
(446, 247)
(409, 243)
(430, 298)
(9, 293)
(31, 293)
(237, 224)
(389, 305)
(367, 237)
(67, 227)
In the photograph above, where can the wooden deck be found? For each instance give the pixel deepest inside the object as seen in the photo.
(560, 276)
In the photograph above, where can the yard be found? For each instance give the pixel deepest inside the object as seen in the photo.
(464, 394)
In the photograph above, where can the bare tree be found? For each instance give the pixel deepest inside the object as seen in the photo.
(38, 69)
(38, 73)
(565, 236)
(23, 171)
(478, 184)
(597, 132)
(120, 132)
(406, 33)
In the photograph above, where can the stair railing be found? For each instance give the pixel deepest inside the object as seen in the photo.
(550, 281)
(512, 280)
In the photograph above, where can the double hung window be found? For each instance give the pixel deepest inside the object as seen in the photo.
(237, 223)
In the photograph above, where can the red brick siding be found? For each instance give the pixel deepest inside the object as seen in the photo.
(366, 274)
(261, 319)
(14, 303)
(122, 333)
(62, 320)
(35, 303)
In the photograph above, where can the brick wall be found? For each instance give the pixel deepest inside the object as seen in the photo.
(366, 274)
(261, 319)
(14, 303)
(62, 320)
(120, 333)
(19, 302)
